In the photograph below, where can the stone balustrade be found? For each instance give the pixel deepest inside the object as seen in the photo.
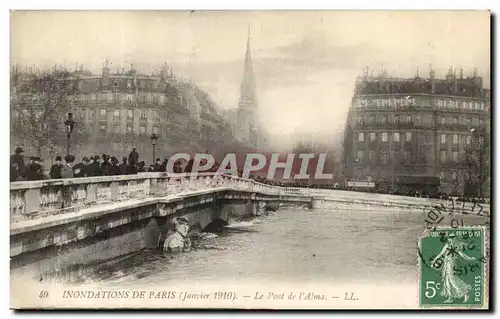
(31, 199)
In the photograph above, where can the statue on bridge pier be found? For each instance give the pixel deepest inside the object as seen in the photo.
(261, 209)
(177, 239)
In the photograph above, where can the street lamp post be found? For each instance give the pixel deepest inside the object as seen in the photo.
(51, 154)
(70, 124)
(154, 138)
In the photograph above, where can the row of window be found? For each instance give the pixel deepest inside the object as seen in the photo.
(409, 101)
(462, 120)
(130, 98)
(130, 115)
(143, 114)
(466, 139)
(384, 156)
(417, 119)
(103, 127)
(384, 136)
(455, 175)
(453, 104)
(443, 175)
(444, 157)
(404, 156)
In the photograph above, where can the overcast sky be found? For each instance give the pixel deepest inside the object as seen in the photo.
(305, 62)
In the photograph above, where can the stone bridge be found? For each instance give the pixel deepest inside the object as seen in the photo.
(65, 223)
(59, 224)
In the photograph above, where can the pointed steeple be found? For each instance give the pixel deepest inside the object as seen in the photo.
(247, 106)
(247, 94)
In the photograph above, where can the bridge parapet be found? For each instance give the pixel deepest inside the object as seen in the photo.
(31, 199)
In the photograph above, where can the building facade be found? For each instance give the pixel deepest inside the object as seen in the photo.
(419, 130)
(115, 112)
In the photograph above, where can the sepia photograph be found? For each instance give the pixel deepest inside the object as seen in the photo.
(250, 159)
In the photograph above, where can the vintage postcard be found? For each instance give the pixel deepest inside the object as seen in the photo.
(250, 159)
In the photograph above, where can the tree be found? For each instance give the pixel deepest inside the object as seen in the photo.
(41, 100)
(477, 154)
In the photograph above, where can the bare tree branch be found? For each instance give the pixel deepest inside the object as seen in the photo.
(41, 99)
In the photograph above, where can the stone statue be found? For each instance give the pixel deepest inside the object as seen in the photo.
(261, 208)
(177, 239)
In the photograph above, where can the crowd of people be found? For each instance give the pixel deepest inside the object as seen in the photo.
(89, 166)
(96, 165)
(105, 165)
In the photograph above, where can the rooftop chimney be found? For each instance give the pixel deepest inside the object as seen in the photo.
(164, 71)
(449, 75)
(365, 72)
(105, 73)
(432, 73)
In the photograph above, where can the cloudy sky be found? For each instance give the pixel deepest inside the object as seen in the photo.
(305, 62)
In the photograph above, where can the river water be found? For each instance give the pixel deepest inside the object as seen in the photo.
(333, 251)
(353, 244)
(348, 245)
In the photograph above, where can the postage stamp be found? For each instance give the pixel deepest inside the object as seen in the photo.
(452, 267)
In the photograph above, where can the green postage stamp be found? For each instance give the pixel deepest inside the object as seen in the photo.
(453, 267)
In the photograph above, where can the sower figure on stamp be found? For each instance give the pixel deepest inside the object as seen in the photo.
(452, 286)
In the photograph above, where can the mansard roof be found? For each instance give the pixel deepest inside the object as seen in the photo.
(465, 87)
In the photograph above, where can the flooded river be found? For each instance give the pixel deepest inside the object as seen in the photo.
(349, 245)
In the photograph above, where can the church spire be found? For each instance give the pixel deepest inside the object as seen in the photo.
(247, 94)
(247, 106)
(248, 56)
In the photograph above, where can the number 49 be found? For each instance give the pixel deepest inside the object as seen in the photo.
(430, 289)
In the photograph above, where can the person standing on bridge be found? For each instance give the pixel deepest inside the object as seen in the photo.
(55, 170)
(35, 169)
(141, 167)
(157, 165)
(95, 167)
(81, 169)
(124, 167)
(114, 168)
(14, 174)
(67, 169)
(18, 159)
(106, 166)
(163, 166)
(133, 157)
